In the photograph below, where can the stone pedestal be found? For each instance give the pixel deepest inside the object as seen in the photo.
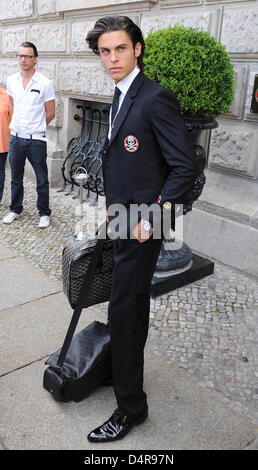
(200, 268)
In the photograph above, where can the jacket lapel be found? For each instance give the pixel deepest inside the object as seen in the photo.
(126, 105)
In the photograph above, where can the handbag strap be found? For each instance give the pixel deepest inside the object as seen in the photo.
(82, 295)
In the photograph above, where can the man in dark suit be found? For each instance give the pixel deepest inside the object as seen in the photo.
(147, 156)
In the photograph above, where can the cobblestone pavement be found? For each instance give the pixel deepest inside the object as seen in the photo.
(208, 328)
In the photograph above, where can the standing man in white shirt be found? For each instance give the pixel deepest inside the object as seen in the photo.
(32, 98)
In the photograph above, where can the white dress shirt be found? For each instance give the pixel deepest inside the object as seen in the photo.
(29, 114)
(123, 86)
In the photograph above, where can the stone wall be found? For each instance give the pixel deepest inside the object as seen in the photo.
(229, 204)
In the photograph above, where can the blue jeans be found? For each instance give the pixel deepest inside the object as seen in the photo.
(3, 157)
(36, 152)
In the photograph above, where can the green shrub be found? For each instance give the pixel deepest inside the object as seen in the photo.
(194, 65)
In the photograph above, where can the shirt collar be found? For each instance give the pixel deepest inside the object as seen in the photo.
(34, 77)
(126, 82)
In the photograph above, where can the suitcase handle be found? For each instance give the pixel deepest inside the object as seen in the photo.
(83, 294)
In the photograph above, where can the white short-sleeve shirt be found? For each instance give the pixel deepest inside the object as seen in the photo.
(29, 114)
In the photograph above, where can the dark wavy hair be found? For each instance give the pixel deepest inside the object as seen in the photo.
(30, 44)
(116, 23)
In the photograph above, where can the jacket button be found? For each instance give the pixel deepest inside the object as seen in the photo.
(167, 205)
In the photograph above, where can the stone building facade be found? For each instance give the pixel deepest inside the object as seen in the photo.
(224, 222)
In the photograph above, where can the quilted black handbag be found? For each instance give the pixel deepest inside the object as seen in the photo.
(199, 181)
(76, 257)
(84, 361)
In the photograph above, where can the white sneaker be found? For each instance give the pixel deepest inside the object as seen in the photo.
(10, 217)
(44, 221)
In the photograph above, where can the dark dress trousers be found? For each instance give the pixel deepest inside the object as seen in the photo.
(149, 154)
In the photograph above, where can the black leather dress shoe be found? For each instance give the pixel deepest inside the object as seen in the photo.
(116, 427)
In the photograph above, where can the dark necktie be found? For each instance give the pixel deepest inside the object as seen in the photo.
(115, 104)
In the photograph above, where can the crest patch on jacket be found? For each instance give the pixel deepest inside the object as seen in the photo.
(131, 143)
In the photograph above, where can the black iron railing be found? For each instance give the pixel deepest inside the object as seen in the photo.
(84, 151)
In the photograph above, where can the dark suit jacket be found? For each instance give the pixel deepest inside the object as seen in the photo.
(159, 159)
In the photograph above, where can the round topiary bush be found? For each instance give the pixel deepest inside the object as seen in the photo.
(194, 65)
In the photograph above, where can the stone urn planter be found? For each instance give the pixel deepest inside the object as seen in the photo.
(176, 256)
(197, 68)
